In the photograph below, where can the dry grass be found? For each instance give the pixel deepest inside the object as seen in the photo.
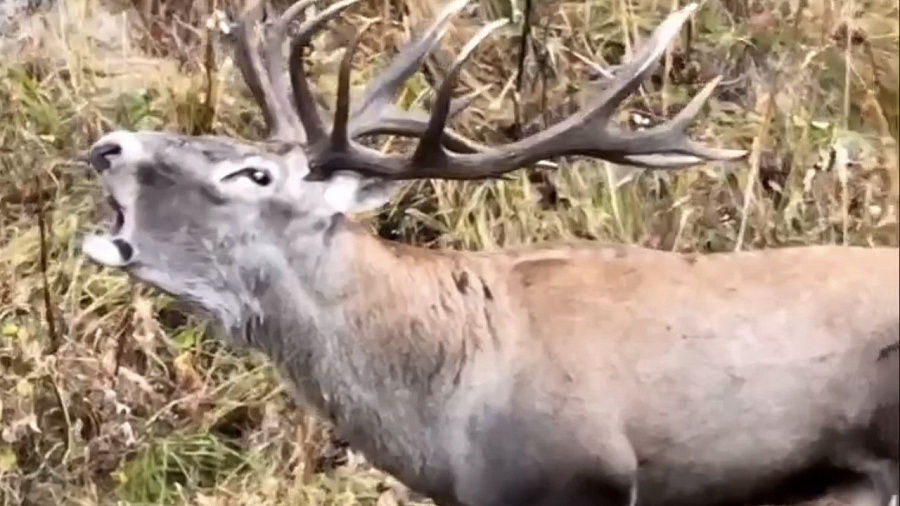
(109, 395)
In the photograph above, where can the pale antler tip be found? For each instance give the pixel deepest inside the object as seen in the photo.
(252, 9)
(735, 154)
(452, 8)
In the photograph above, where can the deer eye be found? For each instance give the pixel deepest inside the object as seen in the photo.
(261, 177)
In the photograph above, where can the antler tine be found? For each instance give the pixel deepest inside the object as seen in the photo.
(307, 109)
(339, 130)
(590, 132)
(394, 121)
(630, 75)
(696, 153)
(276, 66)
(301, 121)
(259, 76)
(375, 113)
(666, 145)
(382, 89)
(341, 152)
(430, 143)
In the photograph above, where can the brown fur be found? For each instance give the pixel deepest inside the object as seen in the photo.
(639, 333)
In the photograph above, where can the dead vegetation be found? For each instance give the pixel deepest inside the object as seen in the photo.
(110, 395)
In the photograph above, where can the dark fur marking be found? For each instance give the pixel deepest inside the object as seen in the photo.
(173, 170)
(888, 350)
(438, 367)
(212, 196)
(286, 212)
(462, 281)
(495, 339)
(281, 148)
(412, 372)
(487, 290)
(802, 486)
(218, 153)
(332, 228)
(463, 357)
(213, 156)
(151, 175)
(250, 327)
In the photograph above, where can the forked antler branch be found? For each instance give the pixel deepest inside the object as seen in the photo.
(442, 153)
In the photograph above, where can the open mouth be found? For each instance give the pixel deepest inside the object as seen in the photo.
(117, 215)
(110, 249)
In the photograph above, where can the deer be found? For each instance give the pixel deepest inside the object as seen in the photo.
(563, 373)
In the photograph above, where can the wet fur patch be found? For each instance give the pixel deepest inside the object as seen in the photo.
(461, 279)
(888, 350)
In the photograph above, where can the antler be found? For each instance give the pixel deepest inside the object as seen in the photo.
(266, 80)
(293, 115)
(444, 154)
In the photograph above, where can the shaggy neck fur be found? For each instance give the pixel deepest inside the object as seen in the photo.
(377, 336)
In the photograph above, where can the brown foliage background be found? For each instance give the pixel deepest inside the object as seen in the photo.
(110, 395)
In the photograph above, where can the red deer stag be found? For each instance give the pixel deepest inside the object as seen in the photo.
(559, 374)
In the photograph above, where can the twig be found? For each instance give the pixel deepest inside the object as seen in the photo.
(755, 153)
(211, 71)
(520, 67)
(121, 334)
(842, 171)
(523, 45)
(49, 315)
(542, 68)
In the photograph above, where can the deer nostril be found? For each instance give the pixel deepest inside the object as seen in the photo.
(100, 155)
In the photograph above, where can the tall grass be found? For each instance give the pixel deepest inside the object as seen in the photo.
(110, 395)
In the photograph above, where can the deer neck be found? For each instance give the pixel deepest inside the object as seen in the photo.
(376, 335)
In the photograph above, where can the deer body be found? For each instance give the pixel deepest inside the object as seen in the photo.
(552, 375)
(501, 375)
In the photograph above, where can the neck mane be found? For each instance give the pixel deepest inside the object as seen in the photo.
(377, 336)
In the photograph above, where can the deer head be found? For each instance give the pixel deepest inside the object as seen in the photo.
(201, 217)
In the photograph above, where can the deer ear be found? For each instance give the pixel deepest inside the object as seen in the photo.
(348, 192)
